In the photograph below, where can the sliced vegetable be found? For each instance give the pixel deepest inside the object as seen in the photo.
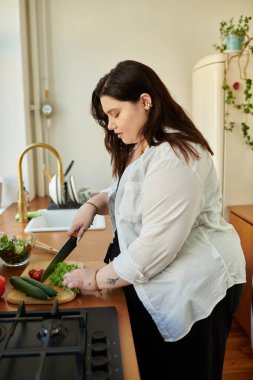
(47, 289)
(30, 290)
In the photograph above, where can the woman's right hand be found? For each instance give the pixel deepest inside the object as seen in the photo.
(86, 213)
(82, 220)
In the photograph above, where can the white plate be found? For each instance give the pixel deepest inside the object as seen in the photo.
(74, 194)
(55, 190)
(71, 195)
(60, 192)
(52, 190)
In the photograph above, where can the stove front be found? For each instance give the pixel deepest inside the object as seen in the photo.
(67, 344)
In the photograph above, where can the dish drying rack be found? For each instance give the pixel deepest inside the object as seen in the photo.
(69, 204)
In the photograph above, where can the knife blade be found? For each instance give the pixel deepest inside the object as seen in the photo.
(65, 250)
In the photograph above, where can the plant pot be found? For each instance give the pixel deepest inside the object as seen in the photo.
(234, 42)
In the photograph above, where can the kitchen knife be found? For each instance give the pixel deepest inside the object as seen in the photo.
(65, 250)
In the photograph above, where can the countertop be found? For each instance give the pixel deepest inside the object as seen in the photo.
(244, 211)
(91, 251)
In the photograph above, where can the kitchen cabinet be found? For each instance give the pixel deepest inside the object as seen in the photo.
(91, 251)
(241, 217)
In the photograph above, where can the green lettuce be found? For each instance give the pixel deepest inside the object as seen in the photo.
(57, 276)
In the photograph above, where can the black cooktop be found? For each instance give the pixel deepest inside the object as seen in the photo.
(60, 344)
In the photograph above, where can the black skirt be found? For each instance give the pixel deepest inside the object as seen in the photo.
(198, 355)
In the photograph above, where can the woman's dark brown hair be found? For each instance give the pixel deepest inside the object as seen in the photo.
(126, 82)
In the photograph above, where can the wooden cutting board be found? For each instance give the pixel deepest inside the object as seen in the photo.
(63, 296)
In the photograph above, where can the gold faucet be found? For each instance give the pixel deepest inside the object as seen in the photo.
(22, 204)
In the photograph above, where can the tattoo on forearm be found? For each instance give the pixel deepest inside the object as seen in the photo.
(112, 281)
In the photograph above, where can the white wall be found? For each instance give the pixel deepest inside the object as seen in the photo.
(87, 39)
(13, 136)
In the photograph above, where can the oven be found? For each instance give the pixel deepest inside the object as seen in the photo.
(60, 344)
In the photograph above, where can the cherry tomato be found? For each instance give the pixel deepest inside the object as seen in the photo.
(36, 274)
(31, 272)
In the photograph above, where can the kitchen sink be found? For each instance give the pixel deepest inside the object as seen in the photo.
(59, 220)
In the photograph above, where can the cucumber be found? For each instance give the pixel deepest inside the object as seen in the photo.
(30, 215)
(47, 289)
(30, 290)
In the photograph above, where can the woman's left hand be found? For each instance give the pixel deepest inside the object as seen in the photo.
(83, 279)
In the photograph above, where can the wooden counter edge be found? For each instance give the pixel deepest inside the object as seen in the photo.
(243, 211)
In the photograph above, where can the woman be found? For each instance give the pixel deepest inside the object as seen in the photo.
(180, 263)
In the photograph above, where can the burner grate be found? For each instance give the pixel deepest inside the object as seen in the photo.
(78, 344)
(46, 352)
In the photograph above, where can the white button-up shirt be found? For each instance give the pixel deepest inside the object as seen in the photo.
(176, 249)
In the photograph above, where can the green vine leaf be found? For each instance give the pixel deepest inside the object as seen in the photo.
(231, 98)
(246, 106)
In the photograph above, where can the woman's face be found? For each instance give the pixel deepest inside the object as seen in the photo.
(125, 119)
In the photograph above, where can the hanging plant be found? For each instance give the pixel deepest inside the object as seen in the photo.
(231, 91)
(239, 29)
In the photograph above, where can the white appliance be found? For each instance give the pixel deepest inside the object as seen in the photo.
(233, 159)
